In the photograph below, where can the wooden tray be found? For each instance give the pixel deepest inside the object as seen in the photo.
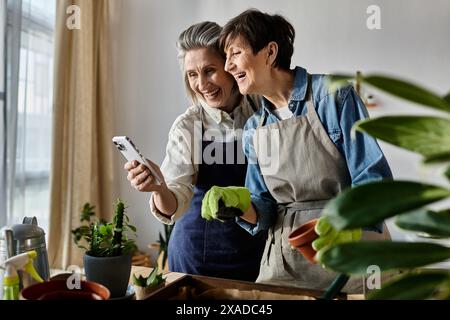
(192, 287)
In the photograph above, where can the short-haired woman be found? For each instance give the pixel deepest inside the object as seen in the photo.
(313, 155)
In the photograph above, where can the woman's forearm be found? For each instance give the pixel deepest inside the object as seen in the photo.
(165, 201)
(250, 215)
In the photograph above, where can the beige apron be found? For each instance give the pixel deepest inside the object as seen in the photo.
(310, 172)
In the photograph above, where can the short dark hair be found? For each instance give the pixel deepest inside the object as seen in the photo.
(258, 29)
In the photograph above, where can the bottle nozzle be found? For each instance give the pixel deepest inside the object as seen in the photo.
(29, 267)
(32, 254)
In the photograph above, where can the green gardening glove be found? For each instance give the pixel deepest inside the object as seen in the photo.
(329, 236)
(223, 203)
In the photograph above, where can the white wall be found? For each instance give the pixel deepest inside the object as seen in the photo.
(332, 36)
(2, 43)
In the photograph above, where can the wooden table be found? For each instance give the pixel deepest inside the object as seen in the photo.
(173, 276)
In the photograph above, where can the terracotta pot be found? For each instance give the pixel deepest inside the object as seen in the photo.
(58, 290)
(302, 238)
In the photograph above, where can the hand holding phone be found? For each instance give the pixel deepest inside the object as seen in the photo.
(131, 153)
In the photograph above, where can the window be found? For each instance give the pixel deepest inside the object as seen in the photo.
(2, 114)
(29, 86)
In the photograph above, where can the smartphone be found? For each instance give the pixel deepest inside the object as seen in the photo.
(130, 152)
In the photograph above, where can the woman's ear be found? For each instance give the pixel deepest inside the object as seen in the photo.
(272, 52)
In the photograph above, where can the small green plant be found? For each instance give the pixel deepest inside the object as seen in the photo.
(154, 278)
(82, 234)
(369, 204)
(102, 239)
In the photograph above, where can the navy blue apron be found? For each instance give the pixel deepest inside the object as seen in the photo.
(213, 248)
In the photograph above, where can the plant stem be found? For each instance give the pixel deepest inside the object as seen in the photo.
(93, 248)
(336, 287)
(118, 228)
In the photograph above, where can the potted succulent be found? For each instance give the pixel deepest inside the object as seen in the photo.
(144, 286)
(109, 252)
(370, 204)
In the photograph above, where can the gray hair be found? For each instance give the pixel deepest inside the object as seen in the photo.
(201, 35)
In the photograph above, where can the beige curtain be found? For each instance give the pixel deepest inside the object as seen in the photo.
(82, 149)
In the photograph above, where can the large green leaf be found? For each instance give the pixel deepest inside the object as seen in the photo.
(447, 98)
(356, 257)
(447, 173)
(369, 204)
(429, 136)
(412, 287)
(438, 157)
(432, 223)
(408, 91)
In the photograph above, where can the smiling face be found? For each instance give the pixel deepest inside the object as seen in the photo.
(251, 71)
(208, 79)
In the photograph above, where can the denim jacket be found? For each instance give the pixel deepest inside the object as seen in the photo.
(338, 111)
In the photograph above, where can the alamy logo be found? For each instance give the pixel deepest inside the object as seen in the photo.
(374, 20)
(74, 20)
(374, 280)
(74, 281)
(267, 146)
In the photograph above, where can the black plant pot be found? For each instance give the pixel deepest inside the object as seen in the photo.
(112, 272)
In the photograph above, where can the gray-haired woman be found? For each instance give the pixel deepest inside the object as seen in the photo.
(212, 125)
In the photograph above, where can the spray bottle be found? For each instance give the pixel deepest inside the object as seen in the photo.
(23, 261)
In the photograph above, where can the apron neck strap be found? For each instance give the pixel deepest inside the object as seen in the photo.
(262, 119)
(309, 97)
(201, 120)
(252, 103)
